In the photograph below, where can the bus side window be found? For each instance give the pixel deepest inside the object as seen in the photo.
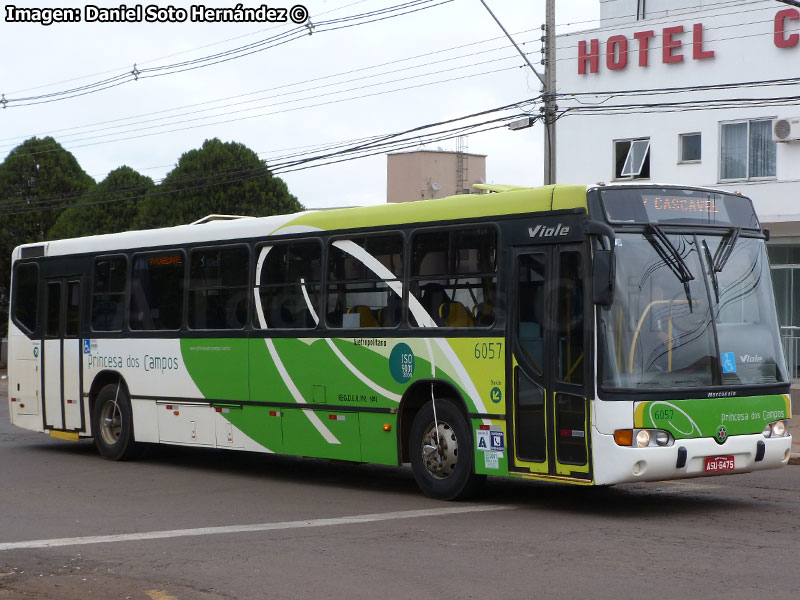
(53, 309)
(157, 281)
(108, 293)
(289, 285)
(363, 282)
(218, 297)
(530, 309)
(569, 319)
(26, 291)
(454, 276)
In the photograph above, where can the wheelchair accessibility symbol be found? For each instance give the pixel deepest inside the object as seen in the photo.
(728, 362)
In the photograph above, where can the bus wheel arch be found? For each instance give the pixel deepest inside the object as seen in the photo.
(450, 474)
(112, 417)
(414, 398)
(102, 379)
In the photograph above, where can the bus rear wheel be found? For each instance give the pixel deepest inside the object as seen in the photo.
(442, 456)
(112, 424)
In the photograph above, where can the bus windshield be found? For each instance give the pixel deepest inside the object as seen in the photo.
(690, 311)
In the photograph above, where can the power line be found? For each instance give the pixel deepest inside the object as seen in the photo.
(295, 33)
(367, 147)
(684, 89)
(292, 109)
(152, 60)
(260, 171)
(370, 77)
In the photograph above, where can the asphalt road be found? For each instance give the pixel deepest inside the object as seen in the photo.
(199, 525)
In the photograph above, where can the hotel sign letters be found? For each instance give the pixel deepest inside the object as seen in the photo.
(672, 42)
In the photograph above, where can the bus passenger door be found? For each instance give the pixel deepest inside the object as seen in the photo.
(61, 356)
(550, 425)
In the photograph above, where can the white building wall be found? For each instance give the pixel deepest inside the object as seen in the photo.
(741, 36)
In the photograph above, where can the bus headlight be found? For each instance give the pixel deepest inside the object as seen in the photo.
(662, 438)
(775, 429)
(643, 438)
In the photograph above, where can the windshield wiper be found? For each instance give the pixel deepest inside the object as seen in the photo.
(667, 251)
(669, 254)
(713, 271)
(725, 249)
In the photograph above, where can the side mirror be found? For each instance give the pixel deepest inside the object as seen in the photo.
(603, 277)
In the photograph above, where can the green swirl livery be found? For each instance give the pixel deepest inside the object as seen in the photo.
(584, 335)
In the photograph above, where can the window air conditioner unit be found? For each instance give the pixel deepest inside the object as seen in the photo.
(786, 130)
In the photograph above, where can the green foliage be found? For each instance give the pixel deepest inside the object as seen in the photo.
(111, 206)
(44, 194)
(219, 178)
(37, 173)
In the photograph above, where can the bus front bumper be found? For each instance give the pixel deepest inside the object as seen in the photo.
(686, 458)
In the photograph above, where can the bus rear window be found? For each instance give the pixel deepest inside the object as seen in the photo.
(26, 292)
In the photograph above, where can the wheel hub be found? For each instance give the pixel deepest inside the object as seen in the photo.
(440, 452)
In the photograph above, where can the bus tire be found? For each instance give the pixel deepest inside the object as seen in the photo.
(112, 424)
(444, 471)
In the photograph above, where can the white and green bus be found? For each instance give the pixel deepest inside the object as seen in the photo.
(586, 335)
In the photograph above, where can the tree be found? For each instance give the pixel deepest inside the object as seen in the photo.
(38, 179)
(219, 178)
(111, 206)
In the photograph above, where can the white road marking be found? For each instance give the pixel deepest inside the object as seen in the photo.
(175, 533)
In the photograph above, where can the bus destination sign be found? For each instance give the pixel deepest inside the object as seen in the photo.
(678, 206)
(667, 207)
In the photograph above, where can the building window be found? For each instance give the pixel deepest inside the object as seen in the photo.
(747, 150)
(632, 159)
(690, 148)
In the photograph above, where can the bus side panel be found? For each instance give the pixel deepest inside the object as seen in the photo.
(378, 445)
(250, 428)
(25, 380)
(338, 437)
(218, 366)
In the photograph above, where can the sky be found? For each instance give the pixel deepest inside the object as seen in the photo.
(375, 74)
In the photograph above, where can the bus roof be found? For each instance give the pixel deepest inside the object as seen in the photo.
(511, 200)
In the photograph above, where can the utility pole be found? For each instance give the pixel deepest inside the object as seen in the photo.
(549, 93)
(548, 87)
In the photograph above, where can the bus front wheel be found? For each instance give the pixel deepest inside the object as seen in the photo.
(442, 455)
(112, 424)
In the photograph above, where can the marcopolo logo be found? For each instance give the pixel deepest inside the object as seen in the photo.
(540, 231)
